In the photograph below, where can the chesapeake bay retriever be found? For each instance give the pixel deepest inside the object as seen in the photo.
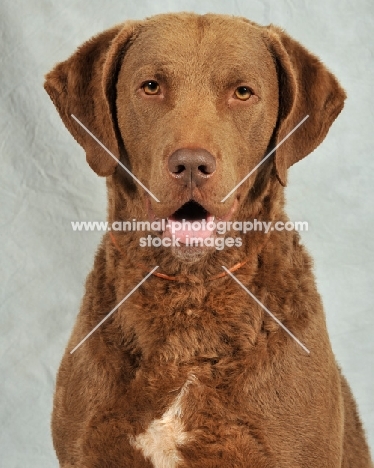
(190, 370)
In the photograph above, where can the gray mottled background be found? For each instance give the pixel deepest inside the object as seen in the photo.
(45, 183)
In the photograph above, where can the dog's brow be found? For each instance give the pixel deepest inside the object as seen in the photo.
(239, 72)
(155, 68)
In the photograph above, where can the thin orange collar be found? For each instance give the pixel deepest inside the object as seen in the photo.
(177, 278)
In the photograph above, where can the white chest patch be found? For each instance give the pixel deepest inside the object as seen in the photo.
(159, 443)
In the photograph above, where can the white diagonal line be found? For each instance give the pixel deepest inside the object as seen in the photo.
(118, 161)
(264, 159)
(113, 310)
(267, 310)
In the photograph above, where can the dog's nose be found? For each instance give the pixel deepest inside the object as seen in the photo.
(191, 167)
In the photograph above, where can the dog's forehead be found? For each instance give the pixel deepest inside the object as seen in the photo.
(214, 39)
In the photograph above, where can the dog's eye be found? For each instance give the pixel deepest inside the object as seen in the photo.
(243, 93)
(151, 88)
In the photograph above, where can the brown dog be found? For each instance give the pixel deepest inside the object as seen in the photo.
(191, 371)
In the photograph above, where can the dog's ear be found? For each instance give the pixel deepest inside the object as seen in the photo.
(306, 87)
(84, 85)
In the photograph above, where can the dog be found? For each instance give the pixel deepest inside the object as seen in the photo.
(200, 366)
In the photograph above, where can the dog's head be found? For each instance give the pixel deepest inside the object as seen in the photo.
(190, 105)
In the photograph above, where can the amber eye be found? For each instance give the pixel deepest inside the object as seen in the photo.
(151, 88)
(243, 93)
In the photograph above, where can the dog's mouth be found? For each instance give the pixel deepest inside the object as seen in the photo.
(191, 220)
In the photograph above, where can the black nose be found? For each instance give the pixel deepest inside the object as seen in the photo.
(191, 167)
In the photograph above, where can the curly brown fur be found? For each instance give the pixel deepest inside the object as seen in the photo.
(194, 373)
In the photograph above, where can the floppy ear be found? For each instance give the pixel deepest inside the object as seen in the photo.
(84, 85)
(306, 87)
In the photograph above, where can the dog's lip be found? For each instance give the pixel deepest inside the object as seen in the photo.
(209, 215)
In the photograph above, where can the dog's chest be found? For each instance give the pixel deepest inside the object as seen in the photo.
(213, 346)
(180, 331)
(159, 443)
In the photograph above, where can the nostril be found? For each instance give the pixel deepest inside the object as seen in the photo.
(179, 169)
(205, 169)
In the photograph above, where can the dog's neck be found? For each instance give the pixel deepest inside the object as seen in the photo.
(192, 300)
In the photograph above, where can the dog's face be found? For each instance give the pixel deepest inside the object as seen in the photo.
(197, 104)
(192, 104)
